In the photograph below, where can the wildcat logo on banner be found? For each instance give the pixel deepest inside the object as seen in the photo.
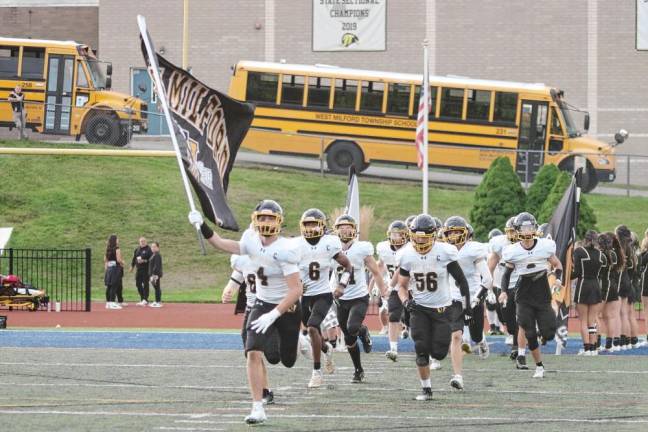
(212, 126)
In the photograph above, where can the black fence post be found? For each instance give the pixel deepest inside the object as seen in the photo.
(10, 261)
(88, 279)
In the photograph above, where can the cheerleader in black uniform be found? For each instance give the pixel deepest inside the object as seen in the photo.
(609, 280)
(643, 275)
(588, 261)
(629, 326)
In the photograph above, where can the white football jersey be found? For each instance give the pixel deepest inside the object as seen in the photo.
(429, 280)
(527, 261)
(389, 257)
(272, 264)
(497, 245)
(356, 253)
(468, 256)
(244, 271)
(316, 261)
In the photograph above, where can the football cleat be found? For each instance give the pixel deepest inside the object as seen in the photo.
(520, 363)
(425, 395)
(316, 380)
(435, 364)
(456, 382)
(305, 346)
(358, 377)
(256, 417)
(392, 355)
(539, 372)
(483, 350)
(514, 354)
(329, 365)
(268, 397)
(365, 337)
(405, 333)
(509, 340)
(465, 347)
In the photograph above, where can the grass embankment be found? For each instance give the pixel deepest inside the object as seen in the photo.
(77, 202)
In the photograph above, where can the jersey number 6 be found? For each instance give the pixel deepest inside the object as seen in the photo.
(313, 271)
(426, 281)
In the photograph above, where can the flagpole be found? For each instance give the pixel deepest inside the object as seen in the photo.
(426, 110)
(161, 93)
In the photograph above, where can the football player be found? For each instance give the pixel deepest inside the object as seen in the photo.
(243, 281)
(397, 237)
(425, 267)
(317, 251)
(352, 292)
(278, 289)
(493, 308)
(496, 246)
(532, 257)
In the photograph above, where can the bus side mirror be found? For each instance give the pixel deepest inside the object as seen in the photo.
(586, 122)
(108, 82)
(109, 69)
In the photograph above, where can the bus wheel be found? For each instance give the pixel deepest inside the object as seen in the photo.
(589, 180)
(342, 154)
(103, 129)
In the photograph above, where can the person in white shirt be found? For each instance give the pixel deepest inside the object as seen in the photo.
(425, 267)
(318, 251)
(278, 289)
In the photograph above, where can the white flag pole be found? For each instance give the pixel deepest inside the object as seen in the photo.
(426, 109)
(161, 94)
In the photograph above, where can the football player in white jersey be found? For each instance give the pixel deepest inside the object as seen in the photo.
(354, 299)
(493, 308)
(425, 267)
(243, 281)
(387, 250)
(472, 259)
(318, 251)
(532, 258)
(496, 265)
(278, 289)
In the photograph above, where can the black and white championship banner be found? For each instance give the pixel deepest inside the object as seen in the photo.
(211, 126)
(349, 25)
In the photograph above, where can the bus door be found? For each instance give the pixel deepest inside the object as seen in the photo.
(58, 96)
(531, 142)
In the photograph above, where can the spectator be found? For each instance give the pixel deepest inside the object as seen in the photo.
(155, 272)
(140, 261)
(643, 276)
(17, 99)
(114, 271)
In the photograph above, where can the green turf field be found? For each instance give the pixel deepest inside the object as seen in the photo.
(77, 202)
(205, 390)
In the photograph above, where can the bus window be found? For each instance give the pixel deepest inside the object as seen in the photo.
(452, 103)
(82, 80)
(33, 63)
(478, 105)
(372, 96)
(319, 90)
(292, 90)
(261, 87)
(505, 107)
(398, 99)
(8, 62)
(417, 100)
(556, 127)
(345, 94)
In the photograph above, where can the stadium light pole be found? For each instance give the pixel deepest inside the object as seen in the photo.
(185, 35)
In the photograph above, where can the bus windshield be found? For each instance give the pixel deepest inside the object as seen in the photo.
(568, 113)
(98, 73)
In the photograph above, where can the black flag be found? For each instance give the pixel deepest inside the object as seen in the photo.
(212, 126)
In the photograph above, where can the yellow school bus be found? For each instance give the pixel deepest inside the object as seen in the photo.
(370, 116)
(67, 91)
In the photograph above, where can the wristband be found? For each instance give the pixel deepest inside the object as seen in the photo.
(558, 273)
(274, 313)
(206, 231)
(344, 278)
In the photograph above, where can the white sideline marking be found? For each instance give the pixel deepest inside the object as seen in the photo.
(187, 428)
(329, 416)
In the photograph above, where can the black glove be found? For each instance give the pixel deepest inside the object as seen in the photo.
(409, 305)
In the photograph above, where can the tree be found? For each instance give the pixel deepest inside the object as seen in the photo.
(539, 190)
(498, 197)
(586, 219)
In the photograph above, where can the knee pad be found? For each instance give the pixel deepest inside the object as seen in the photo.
(422, 359)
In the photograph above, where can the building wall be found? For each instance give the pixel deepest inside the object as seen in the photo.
(58, 23)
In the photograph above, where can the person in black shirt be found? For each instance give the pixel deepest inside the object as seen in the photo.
(155, 272)
(629, 325)
(140, 261)
(643, 275)
(609, 280)
(114, 271)
(588, 261)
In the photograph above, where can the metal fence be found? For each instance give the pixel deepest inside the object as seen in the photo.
(64, 275)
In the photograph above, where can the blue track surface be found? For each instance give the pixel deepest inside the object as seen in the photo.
(202, 340)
